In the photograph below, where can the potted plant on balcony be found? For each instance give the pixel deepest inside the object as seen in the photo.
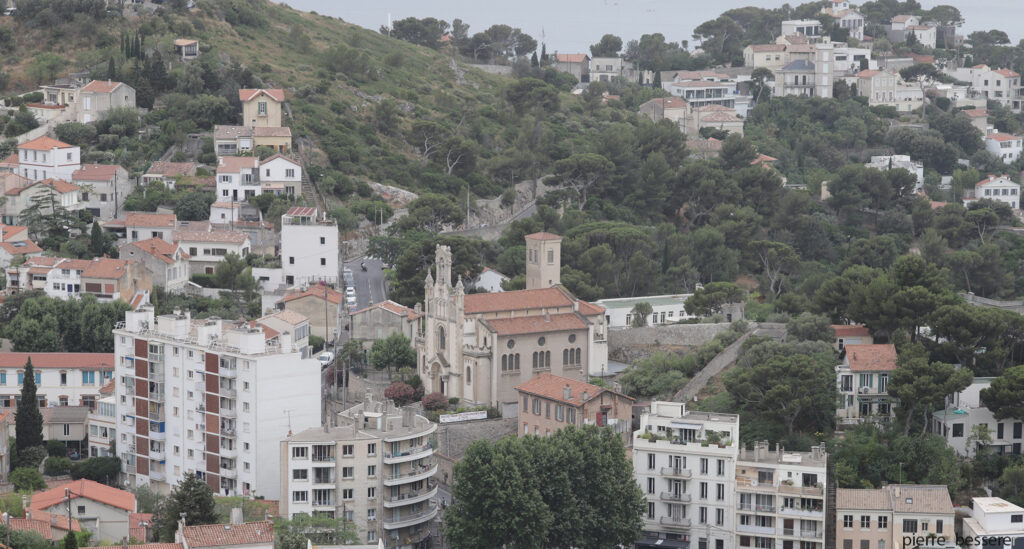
(711, 437)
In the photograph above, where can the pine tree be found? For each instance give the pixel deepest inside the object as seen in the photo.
(191, 497)
(657, 79)
(28, 422)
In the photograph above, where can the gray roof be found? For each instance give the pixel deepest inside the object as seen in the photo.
(65, 414)
(799, 65)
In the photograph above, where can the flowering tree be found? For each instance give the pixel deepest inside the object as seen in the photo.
(400, 392)
(435, 401)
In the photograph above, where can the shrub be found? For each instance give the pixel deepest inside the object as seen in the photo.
(57, 466)
(75, 133)
(99, 469)
(56, 448)
(31, 457)
(435, 401)
(454, 401)
(400, 392)
(27, 479)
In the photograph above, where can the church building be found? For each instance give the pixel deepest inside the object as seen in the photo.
(479, 347)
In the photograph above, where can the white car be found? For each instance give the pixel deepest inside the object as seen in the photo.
(350, 300)
(325, 358)
(350, 292)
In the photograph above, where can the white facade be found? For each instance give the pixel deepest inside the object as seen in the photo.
(490, 280)
(102, 427)
(1000, 85)
(281, 175)
(848, 59)
(810, 28)
(211, 397)
(62, 379)
(1005, 146)
(309, 247)
(47, 158)
(909, 97)
(667, 309)
(690, 488)
(1000, 189)
(237, 178)
(899, 161)
(376, 467)
(207, 248)
(995, 518)
(964, 411)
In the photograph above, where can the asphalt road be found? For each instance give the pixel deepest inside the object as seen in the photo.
(369, 284)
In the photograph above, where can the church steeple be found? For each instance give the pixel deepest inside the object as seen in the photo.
(443, 263)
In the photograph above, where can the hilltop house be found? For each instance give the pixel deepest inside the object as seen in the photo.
(964, 411)
(863, 383)
(167, 263)
(576, 64)
(45, 158)
(261, 108)
(187, 48)
(103, 189)
(168, 172)
(98, 97)
(1001, 189)
(281, 175)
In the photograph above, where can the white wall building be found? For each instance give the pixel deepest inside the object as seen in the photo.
(376, 468)
(899, 161)
(995, 518)
(238, 178)
(211, 397)
(668, 309)
(490, 280)
(207, 248)
(690, 488)
(810, 28)
(964, 411)
(62, 379)
(1001, 189)
(309, 247)
(281, 175)
(102, 427)
(1005, 146)
(47, 158)
(1000, 85)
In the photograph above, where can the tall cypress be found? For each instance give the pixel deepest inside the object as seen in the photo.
(28, 422)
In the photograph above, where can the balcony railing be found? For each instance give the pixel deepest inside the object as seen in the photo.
(392, 523)
(679, 498)
(801, 511)
(678, 522)
(676, 472)
(228, 392)
(755, 507)
(409, 455)
(801, 490)
(404, 541)
(230, 373)
(410, 498)
(417, 473)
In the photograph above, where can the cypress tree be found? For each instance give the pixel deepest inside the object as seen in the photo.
(657, 79)
(96, 241)
(70, 541)
(28, 422)
(533, 60)
(543, 53)
(111, 70)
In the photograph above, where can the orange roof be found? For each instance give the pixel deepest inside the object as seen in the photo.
(51, 526)
(152, 546)
(871, 358)
(213, 535)
(571, 57)
(590, 309)
(920, 58)
(287, 316)
(302, 211)
(101, 86)
(96, 172)
(1006, 72)
(543, 236)
(58, 185)
(901, 18)
(392, 307)
(248, 94)
(997, 136)
(159, 248)
(108, 389)
(537, 324)
(8, 231)
(516, 300)
(264, 131)
(149, 219)
(317, 292)
(43, 106)
(44, 143)
(992, 179)
(234, 164)
(552, 387)
(276, 156)
(135, 528)
(867, 73)
(975, 113)
(21, 247)
(10, 160)
(105, 267)
(762, 158)
(88, 489)
(171, 169)
(851, 330)
(669, 102)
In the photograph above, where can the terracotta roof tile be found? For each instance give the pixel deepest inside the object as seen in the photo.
(1006, 72)
(901, 18)
(152, 546)
(264, 131)
(158, 248)
(553, 387)
(171, 169)
(851, 330)
(516, 300)
(51, 526)
(96, 172)
(184, 41)
(221, 131)
(108, 389)
(91, 361)
(543, 236)
(149, 219)
(976, 113)
(7, 232)
(767, 47)
(392, 307)
(105, 267)
(248, 94)
(101, 86)
(11, 160)
(571, 57)
(994, 179)
(590, 309)
(537, 324)
(316, 292)
(212, 535)
(920, 498)
(230, 237)
(58, 185)
(302, 211)
(862, 499)
(88, 489)
(275, 157)
(291, 317)
(997, 136)
(234, 164)
(136, 529)
(871, 358)
(44, 143)
(21, 247)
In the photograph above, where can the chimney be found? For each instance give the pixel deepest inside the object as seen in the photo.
(236, 515)
(567, 392)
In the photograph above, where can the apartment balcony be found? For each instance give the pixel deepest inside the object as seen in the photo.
(228, 373)
(229, 473)
(676, 498)
(405, 541)
(156, 415)
(418, 473)
(325, 480)
(403, 520)
(409, 455)
(323, 503)
(410, 498)
(801, 490)
(812, 534)
(674, 472)
(757, 508)
(751, 529)
(230, 413)
(157, 475)
(159, 455)
(752, 485)
(157, 434)
(227, 452)
(798, 512)
(228, 393)
(228, 431)
(675, 522)
(156, 368)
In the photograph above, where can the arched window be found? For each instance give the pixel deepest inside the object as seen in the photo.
(469, 375)
(547, 359)
(565, 357)
(535, 359)
(504, 363)
(440, 338)
(517, 361)
(578, 356)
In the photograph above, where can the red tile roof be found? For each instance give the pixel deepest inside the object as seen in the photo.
(90, 361)
(997, 136)
(88, 489)
(108, 389)
(571, 57)
(247, 94)
(149, 219)
(851, 330)
(867, 73)
(10, 160)
(552, 387)
(171, 169)
(901, 18)
(302, 211)
(135, 528)
(58, 185)
(21, 247)
(44, 143)
(158, 248)
(975, 113)
(276, 156)
(7, 232)
(392, 307)
(213, 535)
(992, 179)
(316, 292)
(871, 358)
(516, 300)
(51, 526)
(96, 172)
(590, 309)
(105, 267)
(543, 236)
(234, 164)
(264, 131)
(101, 86)
(1006, 72)
(537, 324)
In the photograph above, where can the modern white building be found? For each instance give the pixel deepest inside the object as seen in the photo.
(47, 158)
(781, 501)
(309, 247)
(281, 175)
(995, 518)
(999, 188)
(1005, 146)
(375, 468)
(685, 464)
(862, 380)
(668, 309)
(102, 427)
(62, 379)
(964, 411)
(238, 178)
(899, 161)
(811, 28)
(210, 397)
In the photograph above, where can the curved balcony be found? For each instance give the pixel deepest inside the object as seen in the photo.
(677, 498)
(409, 499)
(412, 476)
(409, 455)
(673, 472)
(410, 520)
(406, 435)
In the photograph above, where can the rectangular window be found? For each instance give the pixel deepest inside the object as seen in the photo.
(650, 461)
(865, 522)
(650, 485)
(289, 173)
(650, 509)
(703, 466)
(721, 467)
(938, 527)
(720, 492)
(300, 497)
(346, 493)
(703, 515)
(909, 526)
(371, 470)
(348, 472)
(719, 517)
(703, 490)
(371, 449)
(847, 521)
(371, 492)
(300, 474)
(883, 522)
(958, 429)
(347, 450)
(300, 452)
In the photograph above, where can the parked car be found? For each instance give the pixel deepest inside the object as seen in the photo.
(325, 358)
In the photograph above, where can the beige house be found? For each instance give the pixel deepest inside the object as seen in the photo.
(769, 56)
(187, 48)
(168, 172)
(661, 108)
(100, 509)
(146, 225)
(894, 517)
(550, 402)
(713, 116)
(380, 320)
(98, 97)
(167, 263)
(261, 108)
(576, 64)
(103, 189)
(63, 193)
(113, 279)
(317, 304)
(878, 86)
(67, 424)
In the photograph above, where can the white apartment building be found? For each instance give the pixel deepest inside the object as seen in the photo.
(899, 161)
(995, 518)
(685, 464)
(862, 380)
(1005, 146)
(211, 397)
(667, 309)
(999, 188)
(309, 247)
(374, 468)
(781, 498)
(964, 411)
(1000, 85)
(281, 175)
(102, 427)
(62, 379)
(47, 158)
(238, 178)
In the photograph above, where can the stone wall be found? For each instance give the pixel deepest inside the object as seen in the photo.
(454, 438)
(631, 344)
